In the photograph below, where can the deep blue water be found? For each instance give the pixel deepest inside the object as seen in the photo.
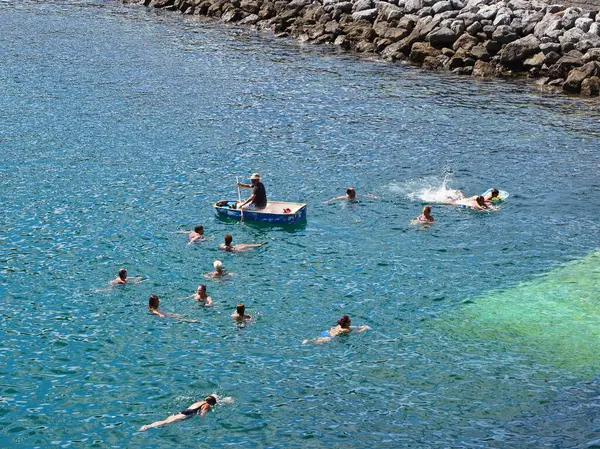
(121, 125)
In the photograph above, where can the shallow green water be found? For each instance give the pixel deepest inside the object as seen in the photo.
(120, 126)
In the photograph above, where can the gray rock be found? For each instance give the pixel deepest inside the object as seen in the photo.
(519, 4)
(504, 34)
(361, 5)
(407, 23)
(538, 5)
(536, 60)
(590, 86)
(552, 9)
(447, 15)
(249, 20)
(551, 58)
(570, 16)
(365, 14)
(393, 52)
(561, 68)
(425, 11)
(458, 27)
(457, 4)
(574, 79)
(442, 37)
(588, 42)
(550, 46)
(343, 42)
(595, 28)
(488, 12)
(480, 53)
(502, 19)
(422, 28)
(540, 28)
(469, 18)
(591, 55)
(572, 37)
(474, 28)
(412, 6)
(584, 24)
(517, 51)
(442, 6)
(389, 12)
(492, 46)
(554, 35)
(396, 34)
(517, 25)
(465, 42)
(489, 30)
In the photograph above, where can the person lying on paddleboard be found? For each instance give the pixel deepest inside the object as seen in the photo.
(258, 199)
(227, 246)
(197, 408)
(350, 195)
(343, 327)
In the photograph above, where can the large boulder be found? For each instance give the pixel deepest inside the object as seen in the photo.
(504, 34)
(412, 6)
(517, 51)
(591, 55)
(365, 14)
(361, 5)
(573, 82)
(590, 86)
(422, 28)
(442, 6)
(570, 16)
(465, 42)
(583, 23)
(587, 42)
(422, 50)
(388, 11)
(564, 65)
(442, 37)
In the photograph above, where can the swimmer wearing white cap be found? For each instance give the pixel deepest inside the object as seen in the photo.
(258, 199)
(219, 271)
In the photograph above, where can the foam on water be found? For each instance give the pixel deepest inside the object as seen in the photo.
(429, 189)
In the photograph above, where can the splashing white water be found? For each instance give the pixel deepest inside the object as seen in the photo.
(428, 190)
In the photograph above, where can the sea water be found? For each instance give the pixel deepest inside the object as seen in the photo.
(120, 126)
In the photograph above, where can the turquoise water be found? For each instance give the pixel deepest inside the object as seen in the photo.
(120, 126)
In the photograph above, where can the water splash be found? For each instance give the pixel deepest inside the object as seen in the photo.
(428, 190)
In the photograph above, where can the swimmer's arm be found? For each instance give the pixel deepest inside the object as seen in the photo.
(245, 186)
(370, 195)
(360, 328)
(343, 197)
(209, 302)
(157, 313)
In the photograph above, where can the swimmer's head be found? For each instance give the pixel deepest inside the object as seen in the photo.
(123, 273)
(210, 400)
(201, 288)
(218, 265)
(495, 193)
(480, 200)
(153, 302)
(427, 210)
(344, 321)
(228, 239)
(351, 192)
(241, 309)
(199, 229)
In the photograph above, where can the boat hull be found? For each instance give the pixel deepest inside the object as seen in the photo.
(273, 213)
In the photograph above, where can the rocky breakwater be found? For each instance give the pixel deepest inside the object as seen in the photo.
(558, 46)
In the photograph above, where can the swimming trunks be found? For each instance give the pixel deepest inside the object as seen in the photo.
(192, 411)
(326, 334)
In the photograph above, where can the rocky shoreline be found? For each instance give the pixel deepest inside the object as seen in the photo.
(558, 46)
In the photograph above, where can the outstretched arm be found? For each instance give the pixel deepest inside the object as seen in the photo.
(360, 329)
(336, 198)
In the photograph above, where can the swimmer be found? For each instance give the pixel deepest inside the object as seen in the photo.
(197, 408)
(153, 304)
(219, 271)
(492, 196)
(350, 196)
(197, 234)
(474, 202)
(425, 217)
(122, 278)
(202, 297)
(343, 327)
(227, 246)
(240, 313)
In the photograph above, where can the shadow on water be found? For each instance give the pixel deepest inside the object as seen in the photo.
(555, 317)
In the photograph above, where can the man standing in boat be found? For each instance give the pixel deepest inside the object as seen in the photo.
(258, 199)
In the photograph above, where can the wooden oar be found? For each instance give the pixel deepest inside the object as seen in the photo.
(237, 182)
